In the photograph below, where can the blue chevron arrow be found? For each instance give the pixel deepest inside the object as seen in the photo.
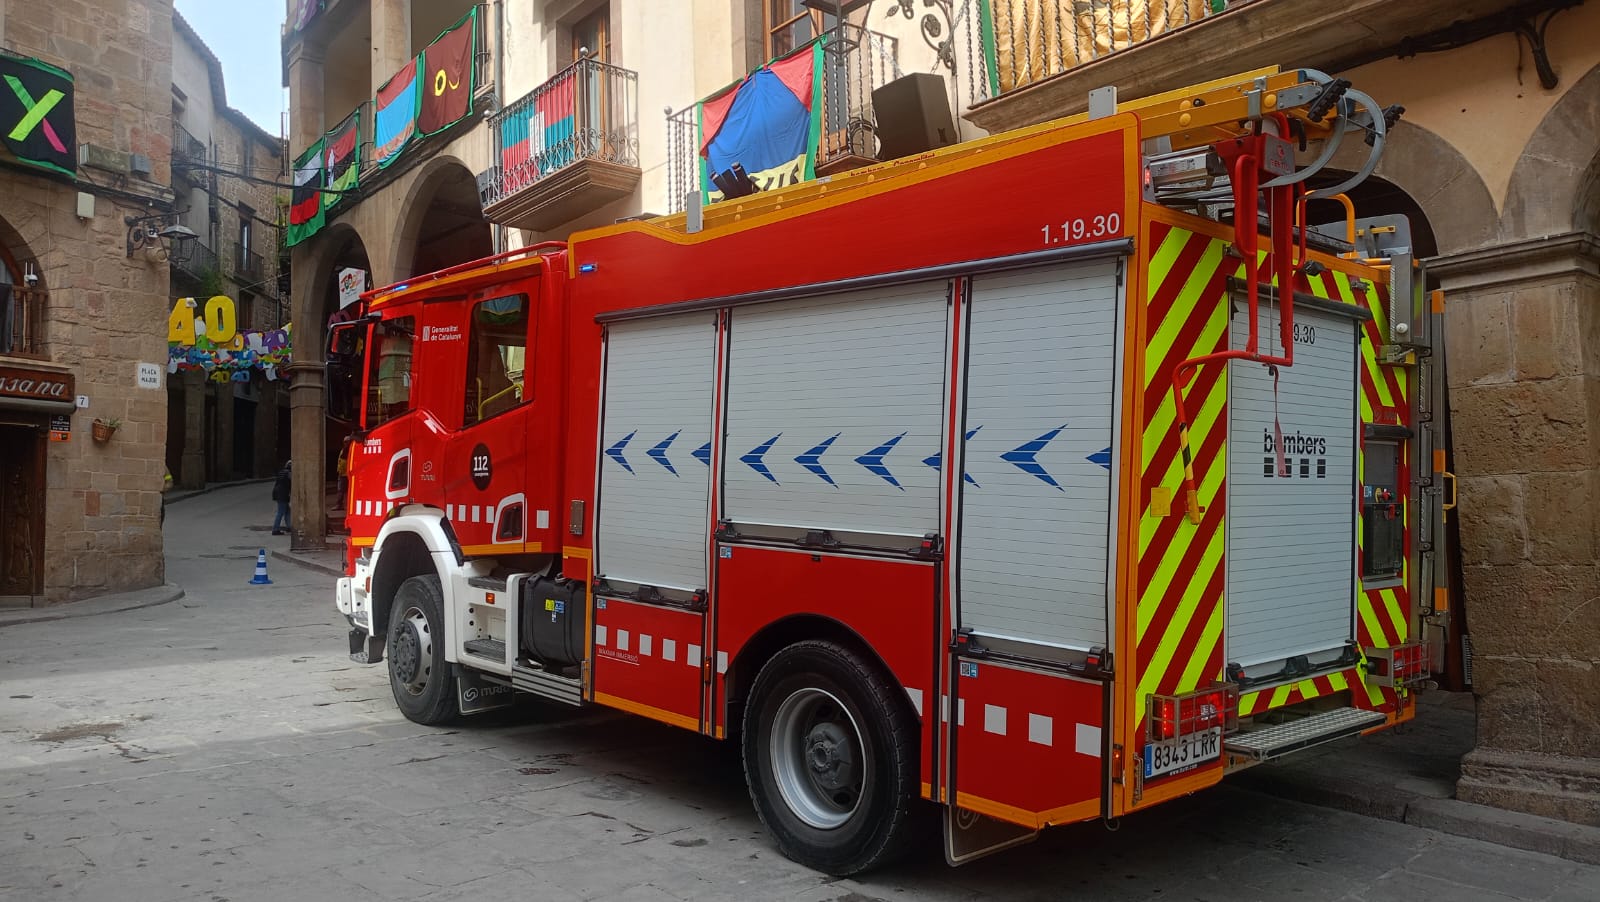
(1022, 457)
(936, 460)
(812, 459)
(758, 452)
(703, 454)
(1103, 458)
(873, 461)
(659, 452)
(615, 451)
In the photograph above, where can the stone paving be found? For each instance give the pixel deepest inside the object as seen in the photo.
(222, 747)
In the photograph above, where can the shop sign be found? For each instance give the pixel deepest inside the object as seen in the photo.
(35, 385)
(61, 428)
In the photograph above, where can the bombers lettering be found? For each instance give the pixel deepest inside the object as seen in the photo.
(1296, 444)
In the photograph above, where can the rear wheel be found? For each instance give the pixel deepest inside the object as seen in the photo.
(830, 754)
(424, 686)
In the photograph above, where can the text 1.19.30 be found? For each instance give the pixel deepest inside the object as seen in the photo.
(1107, 225)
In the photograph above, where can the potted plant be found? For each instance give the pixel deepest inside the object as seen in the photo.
(104, 429)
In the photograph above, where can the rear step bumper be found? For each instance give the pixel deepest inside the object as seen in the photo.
(1281, 739)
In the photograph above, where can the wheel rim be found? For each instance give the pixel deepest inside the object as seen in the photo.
(413, 652)
(817, 758)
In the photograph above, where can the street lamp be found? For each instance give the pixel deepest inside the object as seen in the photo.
(158, 238)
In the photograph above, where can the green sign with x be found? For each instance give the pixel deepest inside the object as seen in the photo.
(36, 115)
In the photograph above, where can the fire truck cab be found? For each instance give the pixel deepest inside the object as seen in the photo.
(1079, 473)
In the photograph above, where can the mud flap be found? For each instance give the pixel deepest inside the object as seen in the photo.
(479, 694)
(365, 648)
(969, 836)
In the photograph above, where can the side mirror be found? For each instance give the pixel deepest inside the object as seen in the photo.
(342, 341)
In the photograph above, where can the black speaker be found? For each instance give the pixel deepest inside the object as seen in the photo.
(913, 114)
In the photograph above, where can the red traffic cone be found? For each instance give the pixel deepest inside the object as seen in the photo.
(260, 579)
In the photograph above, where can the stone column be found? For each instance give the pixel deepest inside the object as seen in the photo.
(305, 96)
(222, 426)
(1523, 340)
(308, 527)
(391, 38)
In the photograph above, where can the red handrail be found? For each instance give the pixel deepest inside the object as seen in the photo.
(1281, 214)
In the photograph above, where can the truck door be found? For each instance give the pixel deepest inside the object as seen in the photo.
(380, 463)
(484, 468)
(1029, 675)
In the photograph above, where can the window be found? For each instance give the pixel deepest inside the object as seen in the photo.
(389, 379)
(790, 23)
(246, 225)
(593, 34)
(496, 357)
(246, 318)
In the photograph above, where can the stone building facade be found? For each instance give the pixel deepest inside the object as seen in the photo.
(1497, 163)
(226, 173)
(81, 517)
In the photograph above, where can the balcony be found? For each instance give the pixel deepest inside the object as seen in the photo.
(565, 149)
(199, 263)
(853, 67)
(1047, 56)
(186, 148)
(246, 265)
(21, 321)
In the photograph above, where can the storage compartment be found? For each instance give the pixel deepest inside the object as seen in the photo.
(552, 621)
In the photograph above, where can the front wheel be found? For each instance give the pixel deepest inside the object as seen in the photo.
(424, 686)
(830, 755)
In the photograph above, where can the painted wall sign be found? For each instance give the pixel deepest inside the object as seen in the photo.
(39, 385)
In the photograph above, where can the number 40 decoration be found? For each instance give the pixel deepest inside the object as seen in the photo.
(218, 325)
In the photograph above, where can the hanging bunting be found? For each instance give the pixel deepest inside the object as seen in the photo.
(447, 76)
(37, 125)
(305, 211)
(342, 151)
(769, 125)
(396, 117)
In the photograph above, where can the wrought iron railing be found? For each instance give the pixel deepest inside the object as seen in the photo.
(186, 146)
(683, 156)
(589, 111)
(1035, 39)
(856, 65)
(245, 263)
(483, 62)
(861, 61)
(198, 261)
(22, 321)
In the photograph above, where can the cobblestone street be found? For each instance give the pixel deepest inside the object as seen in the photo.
(222, 747)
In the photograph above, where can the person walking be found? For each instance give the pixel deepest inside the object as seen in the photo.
(280, 494)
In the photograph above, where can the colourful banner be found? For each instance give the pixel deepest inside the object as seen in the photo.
(342, 159)
(206, 339)
(306, 215)
(769, 124)
(396, 118)
(301, 12)
(447, 76)
(37, 125)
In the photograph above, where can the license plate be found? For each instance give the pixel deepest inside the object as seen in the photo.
(1172, 755)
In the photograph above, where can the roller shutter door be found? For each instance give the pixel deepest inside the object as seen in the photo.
(655, 473)
(1037, 484)
(1292, 532)
(834, 408)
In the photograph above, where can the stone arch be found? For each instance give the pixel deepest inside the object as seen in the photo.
(1437, 179)
(1552, 189)
(441, 222)
(21, 325)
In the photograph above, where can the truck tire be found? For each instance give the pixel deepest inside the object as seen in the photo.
(423, 683)
(830, 755)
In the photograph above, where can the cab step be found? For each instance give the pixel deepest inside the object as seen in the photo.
(1280, 739)
(493, 649)
(554, 686)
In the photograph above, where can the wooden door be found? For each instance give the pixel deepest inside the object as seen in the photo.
(22, 485)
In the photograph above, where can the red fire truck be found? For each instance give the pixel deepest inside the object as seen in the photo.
(1046, 477)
